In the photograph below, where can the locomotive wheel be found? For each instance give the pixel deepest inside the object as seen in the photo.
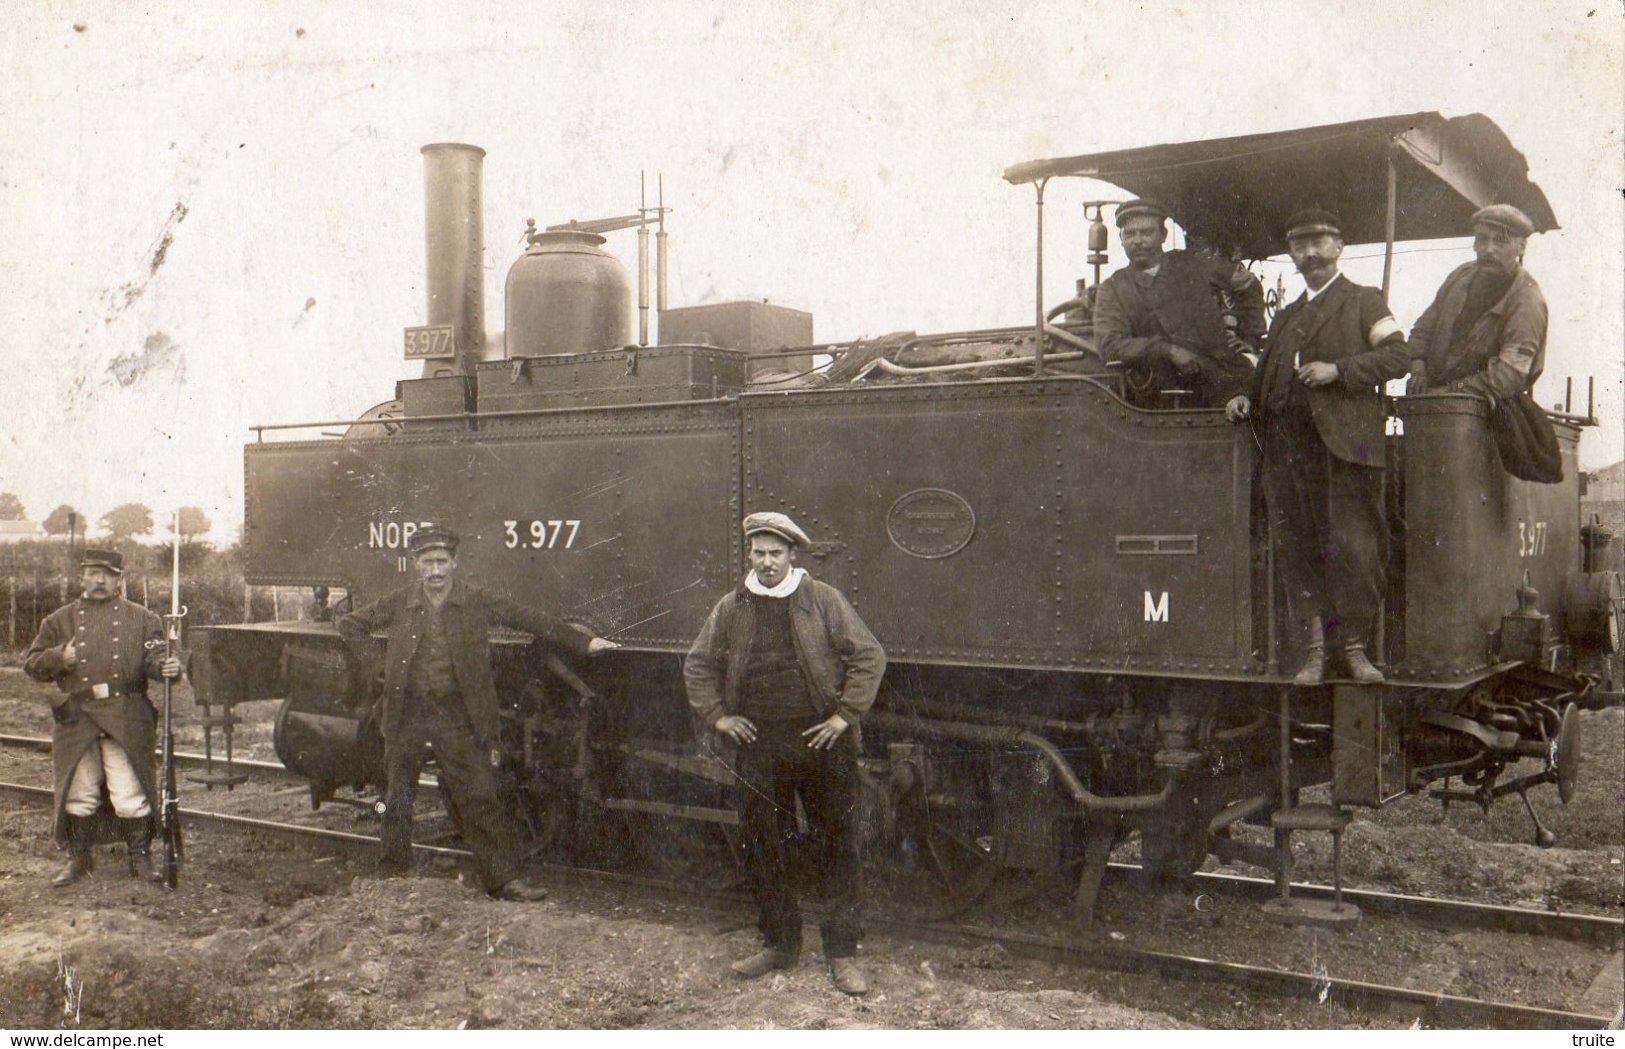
(1566, 754)
(928, 861)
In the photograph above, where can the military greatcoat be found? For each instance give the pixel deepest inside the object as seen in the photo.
(120, 648)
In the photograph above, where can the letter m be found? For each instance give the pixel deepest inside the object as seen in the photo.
(1156, 611)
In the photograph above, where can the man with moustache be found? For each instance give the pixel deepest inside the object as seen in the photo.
(1177, 319)
(1485, 332)
(438, 690)
(101, 651)
(1317, 402)
(784, 669)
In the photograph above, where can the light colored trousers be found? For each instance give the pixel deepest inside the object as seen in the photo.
(107, 763)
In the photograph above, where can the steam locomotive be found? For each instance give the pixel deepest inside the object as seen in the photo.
(1076, 595)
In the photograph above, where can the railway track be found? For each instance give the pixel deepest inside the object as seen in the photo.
(1096, 951)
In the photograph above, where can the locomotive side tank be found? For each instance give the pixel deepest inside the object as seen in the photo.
(1076, 595)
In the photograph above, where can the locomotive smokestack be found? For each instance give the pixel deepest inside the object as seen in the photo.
(454, 239)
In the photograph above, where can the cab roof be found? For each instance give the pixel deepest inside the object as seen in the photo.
(1238, 192)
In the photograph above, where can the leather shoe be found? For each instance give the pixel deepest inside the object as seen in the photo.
(1313, 671)
(520, 890)
(761, 963)
(849, 979)
(1360, 668)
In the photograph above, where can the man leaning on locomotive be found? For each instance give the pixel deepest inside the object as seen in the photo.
(1316, 399)
(1176, 319)
(438, 690)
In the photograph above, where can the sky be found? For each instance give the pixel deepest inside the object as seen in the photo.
(216, 219)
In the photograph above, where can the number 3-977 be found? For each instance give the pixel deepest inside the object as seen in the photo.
(540, 535)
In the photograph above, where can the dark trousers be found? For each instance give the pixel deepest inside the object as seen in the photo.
(776, 770)
(1326, 520)
(466, 773)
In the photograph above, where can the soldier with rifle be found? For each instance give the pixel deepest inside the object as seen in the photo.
(101, 651)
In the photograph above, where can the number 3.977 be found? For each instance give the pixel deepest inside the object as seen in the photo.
(540, 535)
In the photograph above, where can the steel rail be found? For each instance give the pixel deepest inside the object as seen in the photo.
(1466, 915)
(1084, 951)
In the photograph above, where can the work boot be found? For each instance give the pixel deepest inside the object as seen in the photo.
(80, 860)
(1360, 668)
(848, 978)
(520, 890)
(762, 962)
(1313, 671)
(138, 840)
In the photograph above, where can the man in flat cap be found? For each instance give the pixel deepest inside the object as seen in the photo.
(1317, 403)
(1485, 332)
(1177, 319)
(438, 689)
(784, 669)
(101, 651)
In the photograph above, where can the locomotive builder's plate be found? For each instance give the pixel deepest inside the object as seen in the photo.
(930, 522)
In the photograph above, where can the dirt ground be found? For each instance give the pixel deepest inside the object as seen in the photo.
(264, 934)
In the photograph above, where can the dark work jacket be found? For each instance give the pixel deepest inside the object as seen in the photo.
(1502, 353)
(100, 632)
(1336, 327)
(841, 659)
(1137, 316)
(468, 614)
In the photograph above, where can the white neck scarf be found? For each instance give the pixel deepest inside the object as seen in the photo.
(785, 588)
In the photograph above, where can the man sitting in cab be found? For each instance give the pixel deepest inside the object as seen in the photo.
(1179, 320)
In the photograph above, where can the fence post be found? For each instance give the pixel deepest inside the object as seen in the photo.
(248, 603)
(11, 588)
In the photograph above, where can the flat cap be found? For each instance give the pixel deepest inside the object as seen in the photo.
(1133, 209)
(433, 537)
(775, 524)
(1313, 221)
(1504, 216)
(111, 560)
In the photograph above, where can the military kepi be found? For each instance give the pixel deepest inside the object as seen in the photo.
(775, 524)
(1140, 208)
(111, 560)
(1504, 216)
(1312, 222)
(434, 537)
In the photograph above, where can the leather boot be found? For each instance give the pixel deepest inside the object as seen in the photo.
(1313, 671)
(138, 840)
(762, 962)
(1360, 668)
(80, 860)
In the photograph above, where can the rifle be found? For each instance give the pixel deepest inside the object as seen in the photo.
(169, 809)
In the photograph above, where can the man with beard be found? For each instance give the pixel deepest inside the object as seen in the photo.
(1177, 319)
(101, 650)
(1485, 332)
(1317, 401)
(438, 690)
(784, 669)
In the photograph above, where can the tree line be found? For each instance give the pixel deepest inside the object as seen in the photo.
(122, 523)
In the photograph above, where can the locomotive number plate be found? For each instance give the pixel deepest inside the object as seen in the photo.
(930, 523)
(431, 342)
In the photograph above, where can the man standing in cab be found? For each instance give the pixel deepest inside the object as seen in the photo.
(101, 651)
(1317, 402)
(1485, 332)
(784, 669)
(438, 690)
(1176, 319)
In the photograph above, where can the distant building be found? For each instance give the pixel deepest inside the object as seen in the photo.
(20, 531)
